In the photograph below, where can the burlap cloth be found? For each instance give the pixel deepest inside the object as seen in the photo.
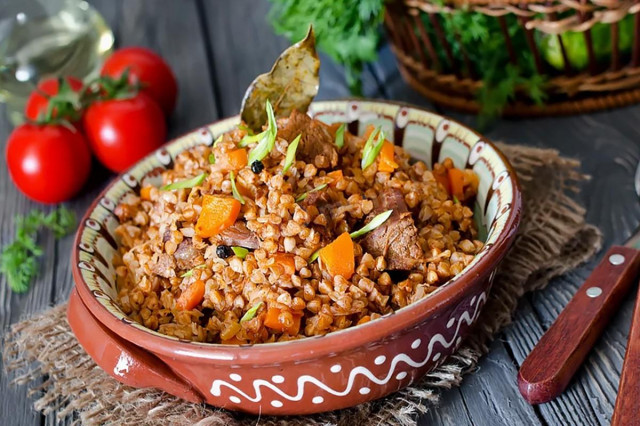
(41, 352)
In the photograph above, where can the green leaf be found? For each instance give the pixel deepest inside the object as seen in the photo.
(187, 183)
(18, 260)
(340, 135)
(191, 271)
(268, 141)
(375, 222)
(303, 196)
(291, 154)
(241, 252)
(234, 189)
(251, 313)
(372, 149)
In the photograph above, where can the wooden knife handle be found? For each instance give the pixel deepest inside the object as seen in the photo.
(553, 361)
(627, 410)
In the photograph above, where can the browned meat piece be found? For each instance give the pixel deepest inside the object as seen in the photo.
(239, 235)
(186, 255)
(397, 238)
(316, 139)
(164, 266)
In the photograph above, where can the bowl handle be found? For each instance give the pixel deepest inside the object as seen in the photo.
(124, 361)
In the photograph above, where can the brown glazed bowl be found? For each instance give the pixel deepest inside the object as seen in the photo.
(314, 374)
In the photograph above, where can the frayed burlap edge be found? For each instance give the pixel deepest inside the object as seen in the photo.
(42, 352)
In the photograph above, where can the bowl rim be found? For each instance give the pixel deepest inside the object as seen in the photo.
(315, 347)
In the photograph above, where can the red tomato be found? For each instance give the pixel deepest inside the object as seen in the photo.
(122, 131)
(37, 103)
(148, 68)
(48, 163)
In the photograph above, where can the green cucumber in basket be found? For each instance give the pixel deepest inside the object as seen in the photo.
(576, 48)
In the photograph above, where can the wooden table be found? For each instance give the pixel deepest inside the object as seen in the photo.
(216, 48)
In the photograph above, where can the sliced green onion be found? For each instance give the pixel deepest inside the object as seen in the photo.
(267, 142)
(340, 135)
(314, 256)
(217, 141)
(251, 313)
(455, 200)
(212, 158)
(241, 252)
(187, 183)
(190, 271)
(249, 139)
(245, 128)
(371, 149)
(234, 189)
(375, 222)
(291, 154)
(303, 196)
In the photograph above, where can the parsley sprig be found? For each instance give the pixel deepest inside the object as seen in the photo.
(19, 259)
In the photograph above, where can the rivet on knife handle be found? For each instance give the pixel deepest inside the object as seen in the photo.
(627, 411)
(553, 361)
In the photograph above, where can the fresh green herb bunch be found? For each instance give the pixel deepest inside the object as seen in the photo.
(19, 259)
(346, 30)
(481, 38)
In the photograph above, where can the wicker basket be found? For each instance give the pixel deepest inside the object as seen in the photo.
(598, 86)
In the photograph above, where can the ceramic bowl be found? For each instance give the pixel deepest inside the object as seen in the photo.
(315, 374)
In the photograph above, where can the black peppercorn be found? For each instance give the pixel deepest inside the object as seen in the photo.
(257, 166)
(224, 251)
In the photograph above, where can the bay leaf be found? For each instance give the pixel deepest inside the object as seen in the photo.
(291, 84)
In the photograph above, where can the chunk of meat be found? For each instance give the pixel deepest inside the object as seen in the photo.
(239, 235)
(186, 255)
(397, 238)
(164, 266)
(316, 140)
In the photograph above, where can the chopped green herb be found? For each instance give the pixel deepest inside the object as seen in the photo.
(251, 313)
(241, 252)
(375, 222)
(291, 154)
(18, 261)
(372, 149)
(234, 189)
(246, 128)
(192, 270)
(314, 256)
(268, 141)
(217, 141)
(340, 135)
(303, 196)
(455, 200)
(249, 139)
(187, 183)
(212, 158)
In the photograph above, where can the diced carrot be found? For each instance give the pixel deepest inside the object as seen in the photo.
(456, 180)
(145, 193)
(233, 341)
(287, 261)
(272, 320)
(232, 160)
(364, 319)
(337, 176)
(386, 161)
(443, 179)
(338, 257)
(190, 298)
(218, 213)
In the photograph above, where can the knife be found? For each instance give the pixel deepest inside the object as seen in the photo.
(546, 372)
